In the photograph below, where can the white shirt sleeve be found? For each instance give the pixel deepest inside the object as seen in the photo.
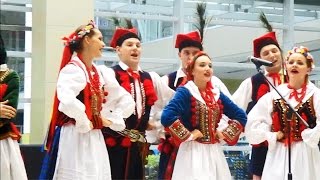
(217, 83)
(258, 127)
(243, 94)
(311, 136)
(71, 81)
(165, 79)
(119, 103)
(164, 94)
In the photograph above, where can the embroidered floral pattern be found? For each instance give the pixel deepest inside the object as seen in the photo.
(77, 36)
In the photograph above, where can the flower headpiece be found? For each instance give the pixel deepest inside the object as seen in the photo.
(304, 51)
(77, 36)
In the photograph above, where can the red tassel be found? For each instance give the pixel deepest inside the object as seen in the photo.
(110, 141)
(126, 142)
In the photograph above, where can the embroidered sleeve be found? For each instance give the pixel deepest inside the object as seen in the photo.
(179, 132)
(171, 117)
(232, 132)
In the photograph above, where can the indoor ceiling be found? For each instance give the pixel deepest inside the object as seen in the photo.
(224, 13)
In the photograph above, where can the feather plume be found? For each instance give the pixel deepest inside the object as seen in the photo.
(128, 23)
(202, 20)
(265, 22)
(116, 21)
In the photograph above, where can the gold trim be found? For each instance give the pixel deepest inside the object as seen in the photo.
(4, 75)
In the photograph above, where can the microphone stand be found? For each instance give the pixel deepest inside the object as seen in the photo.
(289, 115)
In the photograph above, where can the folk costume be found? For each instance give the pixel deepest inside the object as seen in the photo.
(11, 163)
(83, 96)
(269, 116)
(127, 154)
(188, 110)
(251, 90)
(175, 79)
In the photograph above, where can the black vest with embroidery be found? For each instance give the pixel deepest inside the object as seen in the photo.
(280, 116)
(256, 81)
(171, 78)
(133, 122)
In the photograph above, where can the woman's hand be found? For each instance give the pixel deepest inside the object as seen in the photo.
(219, 135)
(106, 122)
(196, 134)
(280, 135)
(7, 111)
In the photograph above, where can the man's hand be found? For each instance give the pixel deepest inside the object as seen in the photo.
(151, 126)
(7, 111)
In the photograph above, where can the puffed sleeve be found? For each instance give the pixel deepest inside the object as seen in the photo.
(119, 103)
(71, 81)
(155, 134)
(164, 92)
(243, 94)
(311, 136)
(172, 113)
(258, 127)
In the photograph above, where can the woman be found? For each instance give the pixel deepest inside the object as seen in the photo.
(76, 147)
(268, 120)
(11, 163)
(193, 119)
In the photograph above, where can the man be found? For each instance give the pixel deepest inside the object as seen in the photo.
(188, 44)
(252, 89)
(127, 149)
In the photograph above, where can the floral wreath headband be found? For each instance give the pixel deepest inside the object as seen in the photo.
(304, 51)
(77, 36)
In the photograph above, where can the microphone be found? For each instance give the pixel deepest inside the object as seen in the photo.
(260, 62)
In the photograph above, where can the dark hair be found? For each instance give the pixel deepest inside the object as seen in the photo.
(3, 52)
(185, 44)
(76, 45)
(125, 37)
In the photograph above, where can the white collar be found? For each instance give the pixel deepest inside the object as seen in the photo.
(3, 67)
(126, 67)
(194, 90)
(180, 74)
(285, 91)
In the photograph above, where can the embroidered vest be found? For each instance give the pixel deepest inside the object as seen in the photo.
(280, 117)
(206, 120)
(133, 122)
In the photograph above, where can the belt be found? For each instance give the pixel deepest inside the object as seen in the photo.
(133, 134)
